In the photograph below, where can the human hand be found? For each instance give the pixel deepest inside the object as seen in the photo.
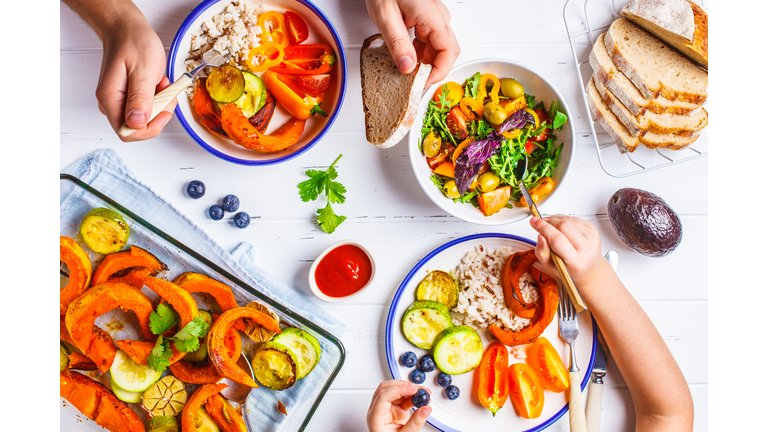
(576, 241)
(435, 42)
(132, 72)
(391, 405)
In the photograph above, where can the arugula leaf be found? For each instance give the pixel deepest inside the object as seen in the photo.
(559, 120)
(329, 220)
(531, 101)
(324, 181)
(162, 320)
(472, 86)
(160, 357)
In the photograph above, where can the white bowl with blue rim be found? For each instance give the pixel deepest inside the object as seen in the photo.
(320, 31)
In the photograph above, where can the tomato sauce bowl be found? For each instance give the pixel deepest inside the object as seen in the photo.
(341, 272)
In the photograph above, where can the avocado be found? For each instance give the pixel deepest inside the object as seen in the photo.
(645, 222)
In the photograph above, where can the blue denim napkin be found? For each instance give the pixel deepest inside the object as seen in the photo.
(107, 173)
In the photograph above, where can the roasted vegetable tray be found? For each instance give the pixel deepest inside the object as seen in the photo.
(300, 401)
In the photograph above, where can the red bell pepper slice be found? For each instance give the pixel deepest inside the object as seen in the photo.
(308, 59)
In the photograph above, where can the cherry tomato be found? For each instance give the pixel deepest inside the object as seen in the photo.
(544, 360)
(542, 116)
(529, 147)
(493, 383)
(315, 84)
(525, 390)
(297, 28)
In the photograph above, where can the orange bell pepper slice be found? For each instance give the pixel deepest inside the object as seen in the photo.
(273, 29)
(516, 265)
(493, 381)
(265, 56)
(446, 169)
(79, 266)
(526, 391)
(196, 401)
(494, 94)
(291, 96)
(98, 403)
(307, 59)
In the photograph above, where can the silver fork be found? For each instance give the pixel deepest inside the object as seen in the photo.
(569, 330)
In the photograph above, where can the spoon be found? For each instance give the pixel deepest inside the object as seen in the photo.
(237, 392)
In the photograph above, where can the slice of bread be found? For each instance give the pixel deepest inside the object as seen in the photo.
(680, 23)
(621, 136)
(682, 125)
(390, 98)
(653, 66)
(609, 76)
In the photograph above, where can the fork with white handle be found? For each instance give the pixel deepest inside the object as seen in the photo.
(569, 330)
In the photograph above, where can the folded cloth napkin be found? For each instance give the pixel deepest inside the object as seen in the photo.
(107, 173)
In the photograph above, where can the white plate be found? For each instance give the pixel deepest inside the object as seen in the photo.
(535, 85)
(320, 31)
(466, 413)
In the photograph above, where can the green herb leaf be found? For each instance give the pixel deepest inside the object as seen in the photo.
(161, 354)
(329, 220)
(162, 320)
(531, 101)
(323, 181)
(559, 120)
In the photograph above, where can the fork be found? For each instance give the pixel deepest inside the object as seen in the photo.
(569, 330)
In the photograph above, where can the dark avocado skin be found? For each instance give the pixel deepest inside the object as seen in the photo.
(645, 222)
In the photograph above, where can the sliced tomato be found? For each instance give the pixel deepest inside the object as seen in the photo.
(542, 115)
(529, 146)
(315, 85)
(297, 28)
(526, 391)
(544, 360)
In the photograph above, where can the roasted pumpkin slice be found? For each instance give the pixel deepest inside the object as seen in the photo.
(199, 283)
(224, 414)
(134, 277)
(136, 257)
(204, 372)
(98, 403)
(514, 268)
(181, 300)
(79, 266)
(102, 351)
(139, 351)
(196, 402)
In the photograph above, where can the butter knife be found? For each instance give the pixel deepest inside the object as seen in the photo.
(595, 397)
(565, 275)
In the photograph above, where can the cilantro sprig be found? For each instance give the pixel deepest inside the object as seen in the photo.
(185, 340)
(324, 182)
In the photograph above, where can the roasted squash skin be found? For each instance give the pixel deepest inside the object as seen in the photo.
(79, 266)
(102, 351)
(196, 282)
(181, 300)
(232, 421)
(195, 401)
(205, 372)
(545, 312)
(514, 268)
(98, 403)
(135, 277)
(139, 351)
(136, 257)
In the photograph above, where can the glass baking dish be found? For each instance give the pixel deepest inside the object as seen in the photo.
(300, 401)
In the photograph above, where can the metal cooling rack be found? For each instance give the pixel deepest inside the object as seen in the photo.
(584, 22)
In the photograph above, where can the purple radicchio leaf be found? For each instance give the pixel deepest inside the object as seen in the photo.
(472, 158)
(517, 120)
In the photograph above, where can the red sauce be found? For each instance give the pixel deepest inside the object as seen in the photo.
(343, 271)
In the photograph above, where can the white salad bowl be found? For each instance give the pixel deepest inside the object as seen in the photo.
(320, 31)
(535, 85)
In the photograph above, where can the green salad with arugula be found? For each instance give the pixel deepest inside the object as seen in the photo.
(474, 135)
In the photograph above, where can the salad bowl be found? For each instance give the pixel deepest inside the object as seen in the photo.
(535, 85)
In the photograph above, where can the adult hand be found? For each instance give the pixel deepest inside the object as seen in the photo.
(132, 72)
(435, 42)
(390, 408)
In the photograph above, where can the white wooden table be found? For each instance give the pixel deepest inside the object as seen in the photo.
(386, 209)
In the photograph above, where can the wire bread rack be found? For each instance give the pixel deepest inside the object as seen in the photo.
(585, 20)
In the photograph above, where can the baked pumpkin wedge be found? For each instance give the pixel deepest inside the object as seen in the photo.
(135, 277)
(226, 417)
(136, 257)
(195, 402)
(181, 300)
(99, 300)
(79, 265)
(514, 268)
(102, 351)
(139, 351)
(98, 403)
(196, 282)
(205, 372)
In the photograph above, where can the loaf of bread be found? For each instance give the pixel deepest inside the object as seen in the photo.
(653, 66)
(680, 23)
(390, 98)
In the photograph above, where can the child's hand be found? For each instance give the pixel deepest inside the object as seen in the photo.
(575, 240)
(391, 405)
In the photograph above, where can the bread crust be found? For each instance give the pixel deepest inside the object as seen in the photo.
(407, 118)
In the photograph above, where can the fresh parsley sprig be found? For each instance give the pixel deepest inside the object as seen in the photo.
(324, 181)
(186, 340)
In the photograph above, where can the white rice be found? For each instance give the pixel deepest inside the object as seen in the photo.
(481, 298)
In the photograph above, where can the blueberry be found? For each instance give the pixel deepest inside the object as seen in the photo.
(408, 359)
(230, 203)
(452, 392)
(427, 363)
(216, 212)
(242, 220)
(420, 399)
(444, 380)
(417, 376)
(196, 189)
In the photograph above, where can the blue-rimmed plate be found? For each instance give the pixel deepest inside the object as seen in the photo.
(320, 31)
(466, 413)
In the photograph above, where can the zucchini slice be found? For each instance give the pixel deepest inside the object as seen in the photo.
(204, 422)
(424, 320)
(163, 424)
(225, 83)
(458, 350)
(254, 96)
(439, 286)
(304, 345)
(104, 231)
(130, 376)
(274, 366)
(125, 396)
(63, 357)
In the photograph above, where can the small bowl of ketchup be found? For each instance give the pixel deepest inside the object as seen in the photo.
(341, 272)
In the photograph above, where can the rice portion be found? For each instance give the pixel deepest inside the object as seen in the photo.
(481, 298)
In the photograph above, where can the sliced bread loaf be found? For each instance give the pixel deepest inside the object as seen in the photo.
(680, 23)
(682, 125)
(390, 98)
(653, 66)
(609, 76)
(619, 133)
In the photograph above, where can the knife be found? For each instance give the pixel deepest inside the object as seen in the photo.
(565, 275)
(595, 397)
